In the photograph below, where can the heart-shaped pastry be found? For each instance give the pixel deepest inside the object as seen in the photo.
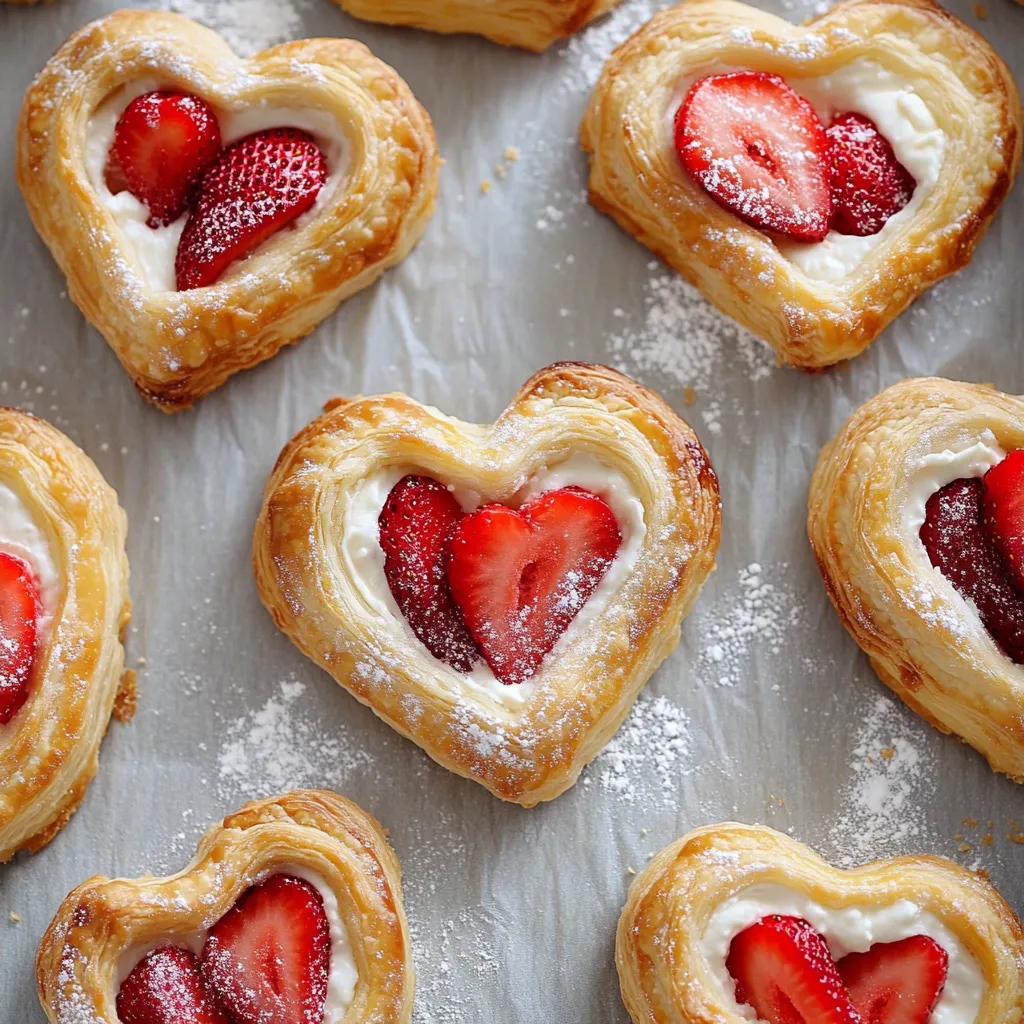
(532, 24)
(734, 923)
(268, 248)
(497, 594)
(63, 608)
(291, 909)
(915, 539)
(810, 181)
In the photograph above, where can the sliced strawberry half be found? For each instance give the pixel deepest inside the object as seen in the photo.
(520, 577)
(165, 987)
(1003, 513)
(19, 616)
(868, 183)
(162, 143)
(416, 523)
(783, 969)
(267, 959)
(896, 982)
(758, 149)
(257, 186)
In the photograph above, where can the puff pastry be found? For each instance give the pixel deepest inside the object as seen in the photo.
(664, 935)
(102, 922)
(177, 346)
(815, 304)
(531, 24)
(59, 515)
(923, 639)
(525, 743)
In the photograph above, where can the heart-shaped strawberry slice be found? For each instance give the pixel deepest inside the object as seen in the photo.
(19, 614)
(165, 987)
(896, 982)
(519, 577)
(267, 959)
(416, 524)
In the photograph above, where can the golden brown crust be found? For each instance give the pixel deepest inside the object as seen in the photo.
(922, 638)
(666, 978)
(104, 919)
(531, 24)
(535, 751)
(177, 346)
(49, 749)
(636, 177)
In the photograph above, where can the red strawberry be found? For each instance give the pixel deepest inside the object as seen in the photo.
(1003, 510)
(19, 613)
(896, 982)
(760, 150)
(164, 987)
(416, 523)
(257, 186)
(163, 143)
(783, 969)
(268, 957)
(519, 578)
(868, 183)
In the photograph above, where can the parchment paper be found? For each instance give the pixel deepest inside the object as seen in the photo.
(766, 712)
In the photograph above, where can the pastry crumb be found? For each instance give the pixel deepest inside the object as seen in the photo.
(500, 170)
(965, 847)
(980, 11)
(13, 917)
(126, 701)
(689, 395)
(970, 822)
(630, 870)
(888, 753)
(987, 839)
(486, 185)
(512, 153)
(1016, 836)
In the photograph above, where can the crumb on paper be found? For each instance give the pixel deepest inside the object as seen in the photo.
(965, 847)
(630, 870)
(486, 185)
(980, 11)
(141, 661)
(512, 153)
(970, 822)
(1016, 836)
(987, 839)
(13, 917)
(500, 170)
(888, 753)
(689, 395)
(126, 700)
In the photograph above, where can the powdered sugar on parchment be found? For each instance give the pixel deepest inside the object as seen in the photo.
(585, 53)
(247, 25)
(891, 783)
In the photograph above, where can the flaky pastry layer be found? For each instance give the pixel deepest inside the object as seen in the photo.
(637, 179)
(532, 24)
(535, 752)
(177, 346)
(104, 920)
(922, 638)
(666, 978)
(49, 750)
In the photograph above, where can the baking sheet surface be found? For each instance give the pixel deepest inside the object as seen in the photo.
(766, 711)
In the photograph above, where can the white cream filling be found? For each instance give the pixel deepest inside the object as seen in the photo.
(364, 558)
(342, 975)
(151, 251)
(21, 536)
(901, 116)
(850, 930)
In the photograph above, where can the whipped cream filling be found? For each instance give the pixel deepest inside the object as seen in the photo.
(864, 87)
(364, 558)
(21, 536)
(151, 251)
(849, 930)
(342, 975)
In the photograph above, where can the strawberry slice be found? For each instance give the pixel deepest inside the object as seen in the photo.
(162, 143)
(783, 969)
(19, 613)
(868, 183)
(267, 959)
(416, 523)
(896, 982)
(758, 149)
(257, 186)
(1003, 513)
(520, 577)
(164, 987)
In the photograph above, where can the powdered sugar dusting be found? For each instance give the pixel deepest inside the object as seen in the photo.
(247, 25)
(892, 778)
(585, 53)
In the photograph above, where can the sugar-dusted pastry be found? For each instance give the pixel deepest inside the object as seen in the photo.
(533, 24)
(810, 181)
(63, 607)
(498, 594)
(737, 923)
(291, 910)
(208, 210)
(917, 521)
